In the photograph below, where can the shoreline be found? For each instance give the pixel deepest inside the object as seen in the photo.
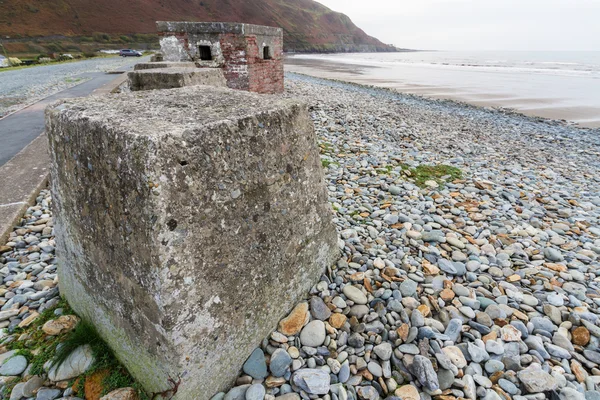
(503, 111)
(369, 75)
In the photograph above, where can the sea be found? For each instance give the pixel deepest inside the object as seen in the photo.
(561, 85)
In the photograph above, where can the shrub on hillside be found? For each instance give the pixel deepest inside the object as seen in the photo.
(101, 37)
(89, 54)
(14, 61)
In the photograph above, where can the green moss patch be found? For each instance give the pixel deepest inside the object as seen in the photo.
(439, 173)
(327, 163)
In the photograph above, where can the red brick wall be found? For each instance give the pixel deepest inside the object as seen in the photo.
(236, 61)
(266, 76)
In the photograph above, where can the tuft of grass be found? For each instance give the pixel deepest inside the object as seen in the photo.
(40, 348)
(384, 170)
(37, 340)
(83, 334)
(327, 163)
(439, 173)
(326, 147)
(8, 387)
(104, 359)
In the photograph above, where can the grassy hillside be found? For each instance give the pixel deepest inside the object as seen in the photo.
(308, 25)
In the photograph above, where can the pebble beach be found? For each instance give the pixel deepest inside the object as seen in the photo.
(469, 263)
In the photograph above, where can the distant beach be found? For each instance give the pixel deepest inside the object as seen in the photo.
(555, 85)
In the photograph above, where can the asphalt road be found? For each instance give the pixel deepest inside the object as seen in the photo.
(19, 129)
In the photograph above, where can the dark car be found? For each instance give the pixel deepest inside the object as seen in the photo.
(129, 53)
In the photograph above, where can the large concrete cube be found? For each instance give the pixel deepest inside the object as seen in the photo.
(188, 222)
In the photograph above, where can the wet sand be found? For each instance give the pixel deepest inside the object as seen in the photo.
(558, 101)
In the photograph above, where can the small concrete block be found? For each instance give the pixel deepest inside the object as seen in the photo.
(169, 78)
(188, 223)
(164, 64)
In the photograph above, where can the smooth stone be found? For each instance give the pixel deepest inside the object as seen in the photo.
(454, 329)
(544, 324)
(356, 340)
(344, 373)
(445, 378)
(318, 309)
(17, 391)
(395, 190)
(568, 393)
(422, 369)
(76, 363)
(367, 393)
(355, 294)
(313, 334)
(312, 381)
(535, 380)
(237, 393)
(408, 288)
(493, 366)
(383, 351)
(256, 392)
(33, 384)
(508, 386)
(255, 365)
(48, 394)
(280, 362)
(407, 392)
(447, 266)
(552, 254)
(358, 311)
(13, 366)
(592, 394)
(375, 369)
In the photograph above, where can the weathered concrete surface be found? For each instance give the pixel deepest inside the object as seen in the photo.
(22, 179)
(203, 209)
(169, 78)
(164, 64)
(251, 56)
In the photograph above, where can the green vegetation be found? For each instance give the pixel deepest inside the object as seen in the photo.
(327, 163)
(39, 348)
(326, 147)
(101, 37)
(439, 173)
(73, 80)
(8, 387)
(104, 360)
(385, 170)
(33, 339)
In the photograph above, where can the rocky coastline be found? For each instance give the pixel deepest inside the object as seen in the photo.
(470, 243)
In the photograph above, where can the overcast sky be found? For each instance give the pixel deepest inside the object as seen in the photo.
(478, 24)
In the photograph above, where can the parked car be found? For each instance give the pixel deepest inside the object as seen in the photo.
(129, 53)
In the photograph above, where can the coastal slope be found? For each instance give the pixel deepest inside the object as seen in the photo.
(308, 26)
